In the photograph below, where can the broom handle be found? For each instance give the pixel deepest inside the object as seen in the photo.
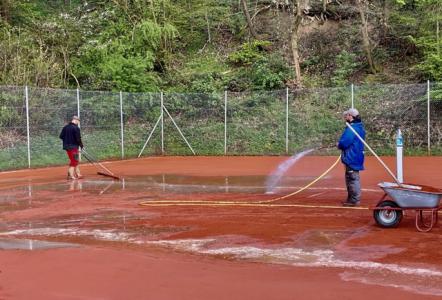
(89, 157)
(374, 153)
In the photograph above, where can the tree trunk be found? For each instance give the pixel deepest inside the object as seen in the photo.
(385, 17)
(248, 19)
(438, 38)
(297, 12)
(4, 10)
(365, 37)
(209, 37)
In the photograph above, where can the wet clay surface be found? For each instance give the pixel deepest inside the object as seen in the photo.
(275, 251)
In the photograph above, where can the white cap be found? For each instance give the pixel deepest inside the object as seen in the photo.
(352, 112)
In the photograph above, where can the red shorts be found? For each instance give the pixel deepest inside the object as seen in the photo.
(74, 157)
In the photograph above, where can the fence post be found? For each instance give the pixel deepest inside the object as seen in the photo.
(78, 103)
(225, 122)
(27, 126)
(162, 123)
(287, 121)
(122, 126)
(352, 96)
(428, 118)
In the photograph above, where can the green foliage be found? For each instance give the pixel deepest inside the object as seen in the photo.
(249, 53)
(141, 45)
(416, 22)
(128, 74)
(197, 17)
(200, 73)
(205, 83)
(266, 73)
(270, 72)
(345, 66)
(432, 66)
(125, 54)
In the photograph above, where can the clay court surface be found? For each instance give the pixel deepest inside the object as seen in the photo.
(91, 238)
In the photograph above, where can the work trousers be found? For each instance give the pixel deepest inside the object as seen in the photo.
(353, 183)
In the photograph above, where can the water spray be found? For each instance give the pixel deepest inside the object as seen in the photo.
(277, 174)
(275, 177)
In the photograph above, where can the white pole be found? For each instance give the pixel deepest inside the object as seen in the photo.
(399, 156)
(121, 125)
(225, 122)
(374, 153)
(287, 121)
(162, 123)
(150, 135)
(428, 118)
(180, 132)
(27, 126)
(78, 103)
(352, 96)
(78, 113)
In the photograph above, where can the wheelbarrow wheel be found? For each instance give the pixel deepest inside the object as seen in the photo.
(387, 218)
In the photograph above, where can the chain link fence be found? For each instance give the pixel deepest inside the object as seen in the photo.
(119, 125)
(13, 140)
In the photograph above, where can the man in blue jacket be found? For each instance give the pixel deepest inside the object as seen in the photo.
(352, 156)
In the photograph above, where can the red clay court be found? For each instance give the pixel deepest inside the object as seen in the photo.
(92, 238)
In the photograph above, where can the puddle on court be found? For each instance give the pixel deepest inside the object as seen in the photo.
(107, 226)
(171, 183)
(313, 248)
(26, 244)
(338, 241)
(15, 198)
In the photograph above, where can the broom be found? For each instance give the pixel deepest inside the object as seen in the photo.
(97, 164)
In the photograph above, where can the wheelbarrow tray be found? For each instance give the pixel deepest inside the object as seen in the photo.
(412, 196)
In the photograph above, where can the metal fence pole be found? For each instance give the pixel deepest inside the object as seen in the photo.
(78, 111)
(162, 123)
(287, 121)
(352, 96)
(225, 122)
(78, 103)
(122, 126)
(428, 118)
(27, 126)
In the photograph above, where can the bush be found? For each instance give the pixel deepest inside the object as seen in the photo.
(345, 66)
(270, 73)
(249, 53)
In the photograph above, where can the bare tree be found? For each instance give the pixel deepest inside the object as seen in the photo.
(361, 5)
(384, 19)
(297, 19)
(248, 19)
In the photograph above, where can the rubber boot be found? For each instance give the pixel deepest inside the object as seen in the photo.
(71, 173)
(78, 173)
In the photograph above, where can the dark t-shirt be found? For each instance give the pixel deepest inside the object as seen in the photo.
(71, 136)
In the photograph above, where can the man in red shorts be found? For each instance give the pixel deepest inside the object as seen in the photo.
(71, 136)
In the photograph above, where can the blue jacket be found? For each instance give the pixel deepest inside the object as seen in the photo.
(352, 148)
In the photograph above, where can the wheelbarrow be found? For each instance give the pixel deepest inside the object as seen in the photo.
(424, 200)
